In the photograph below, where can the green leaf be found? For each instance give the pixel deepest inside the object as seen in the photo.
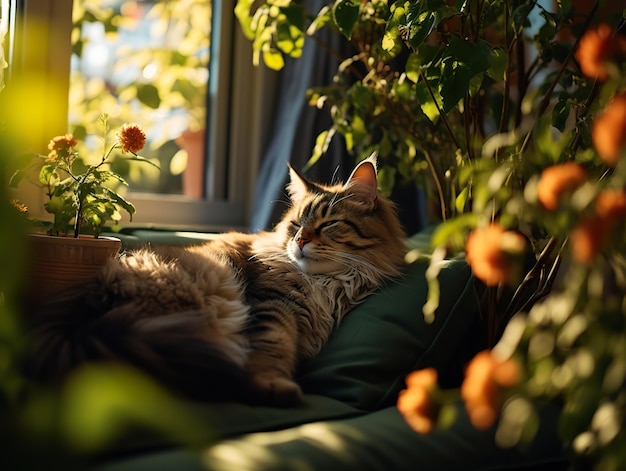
(361, 96)
(345, 16)
(397, 18)
(521, 15)
(56, 204)
(386, 180)
(242, 12)
(455, 78)
(560, 113)
(426, 102)
(359, 128)
(177, 58)
(423, 17)
(463, 60)
(420, 30)
(16, 178)
(148, 94)
(294, 13)
(413, 67)
(321, 146)
(498, 60)
(138, 158)
(461, 200)
(79, 132)
(548, 29)
(118, 200)
(273, 59)
(77, 47)
(47, 174)
(324, 17)
(453, 232)
(289, 39)
(108, 175)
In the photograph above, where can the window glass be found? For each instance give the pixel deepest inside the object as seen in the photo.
(147, 62)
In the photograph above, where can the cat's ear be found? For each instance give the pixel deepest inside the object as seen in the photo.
(363, 182)
(298, 186)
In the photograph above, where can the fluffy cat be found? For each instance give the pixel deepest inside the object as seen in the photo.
(233, 317)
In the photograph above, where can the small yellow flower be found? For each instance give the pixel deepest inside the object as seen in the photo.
(20, 207)
(131, 138)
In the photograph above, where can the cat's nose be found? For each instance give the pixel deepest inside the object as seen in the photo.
(303, 238)
(302, 241)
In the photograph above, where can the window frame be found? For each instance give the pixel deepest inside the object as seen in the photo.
(240, 97)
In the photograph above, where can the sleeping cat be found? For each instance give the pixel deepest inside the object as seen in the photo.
(233, 317)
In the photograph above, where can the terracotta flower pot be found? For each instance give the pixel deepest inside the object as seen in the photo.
(193, 142)
(58, 262)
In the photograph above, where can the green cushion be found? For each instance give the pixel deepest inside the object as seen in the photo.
(374, 442)
(383, 441)
(227, 419)
(367, 358)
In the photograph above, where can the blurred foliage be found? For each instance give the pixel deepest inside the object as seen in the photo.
(61, 426)
(155, 73)
(430, 82)
(474, 100)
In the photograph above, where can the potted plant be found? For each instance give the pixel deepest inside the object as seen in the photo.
(81, 201)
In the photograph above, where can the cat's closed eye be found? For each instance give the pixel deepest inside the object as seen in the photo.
(329, 227)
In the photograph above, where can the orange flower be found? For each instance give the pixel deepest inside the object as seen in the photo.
(611, 204)
(488, 252)
(415, 403)
(589, 237)
(587, 240)
(608, 130)
(598, 48)
(61, 147)
(557, 180)
(131, 138)
(485, 377)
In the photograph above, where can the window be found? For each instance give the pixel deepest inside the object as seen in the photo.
(233, 106)
(146, 62)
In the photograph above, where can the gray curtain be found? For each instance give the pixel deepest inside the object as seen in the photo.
(296, 126)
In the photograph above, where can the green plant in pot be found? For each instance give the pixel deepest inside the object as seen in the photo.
(81, 203)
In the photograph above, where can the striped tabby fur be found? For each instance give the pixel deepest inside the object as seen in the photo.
(232, 317)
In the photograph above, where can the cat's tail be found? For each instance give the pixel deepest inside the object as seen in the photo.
(174, 349)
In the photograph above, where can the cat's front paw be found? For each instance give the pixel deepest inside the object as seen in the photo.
(277, 391)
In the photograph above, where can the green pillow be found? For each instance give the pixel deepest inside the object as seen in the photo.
(378, 343)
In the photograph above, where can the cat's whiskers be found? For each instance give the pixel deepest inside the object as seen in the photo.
(273, 258)
(354, 261)
(336, 201)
